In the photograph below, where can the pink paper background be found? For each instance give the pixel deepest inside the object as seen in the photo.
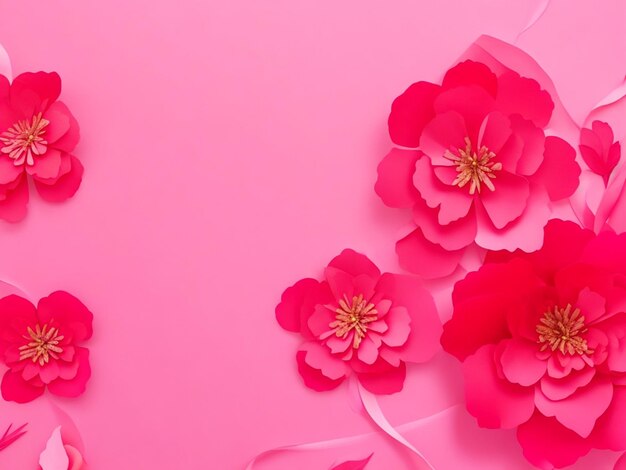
(230, 148)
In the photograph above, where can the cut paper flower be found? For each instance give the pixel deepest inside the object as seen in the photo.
(357, 321)
(61, 455)
(542, 338)
(474, 165)
(598, 149)
(37, 136)
(41, 346)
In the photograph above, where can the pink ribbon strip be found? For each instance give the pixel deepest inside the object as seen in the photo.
(538, 13)
(372, 407)
(330, 443)
(615, 95)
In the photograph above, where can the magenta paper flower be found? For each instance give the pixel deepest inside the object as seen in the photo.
(40, 345)
(60, 454)
(600, 152)
(37, 135)
(475, 165)
(542, 338)
(359, 321)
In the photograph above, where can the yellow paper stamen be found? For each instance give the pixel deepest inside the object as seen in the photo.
(353, 315)
(562, 330)
(473, 167)
(43, 344)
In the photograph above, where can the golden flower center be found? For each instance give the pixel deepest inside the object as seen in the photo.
(43, 344)
(24, 140)
(353, 315)
(562, 329)
(474, 167)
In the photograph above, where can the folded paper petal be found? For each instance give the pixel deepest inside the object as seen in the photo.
(15, 388)
(521, 363)
(420, 256)
(64, 187)
(410, 112)
(548, 444)
(559, 173)
(395, 178)
(288, 311)
(77, 385)
(494, 402)
(385, 380)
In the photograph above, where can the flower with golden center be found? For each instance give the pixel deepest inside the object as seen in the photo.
(562, 329)
(474, 167)
(24, 140)
(43, 344)
(353, 315)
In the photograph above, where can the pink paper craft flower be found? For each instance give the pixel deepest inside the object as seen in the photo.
(61, 455)
(40, 345)
(359, 321)
(600, 152)
(37, 135)
(542, 338)
(474, 165)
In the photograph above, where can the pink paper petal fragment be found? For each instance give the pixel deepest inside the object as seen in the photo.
(353, 464)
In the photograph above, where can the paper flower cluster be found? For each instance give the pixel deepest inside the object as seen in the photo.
(488, 161)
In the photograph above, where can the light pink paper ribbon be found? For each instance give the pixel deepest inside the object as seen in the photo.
(372, 407)
(537, 14)
(330, 443)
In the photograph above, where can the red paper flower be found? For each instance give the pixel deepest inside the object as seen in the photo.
(40, 345)
(37, 135)
(482, 171)
(599, 150)
(359, 321)
(542, 338)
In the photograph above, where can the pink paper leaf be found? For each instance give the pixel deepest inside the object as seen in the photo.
(353, 464)
(9, 437)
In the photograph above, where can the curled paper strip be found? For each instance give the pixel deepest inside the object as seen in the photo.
(343, 441)
(537, 14)
(5, 63)
(611, 109)
(372, 407)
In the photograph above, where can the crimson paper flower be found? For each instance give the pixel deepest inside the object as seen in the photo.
(37, 135)
(542, 338)
(475, 165)
(359, 321)
(40, 345)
